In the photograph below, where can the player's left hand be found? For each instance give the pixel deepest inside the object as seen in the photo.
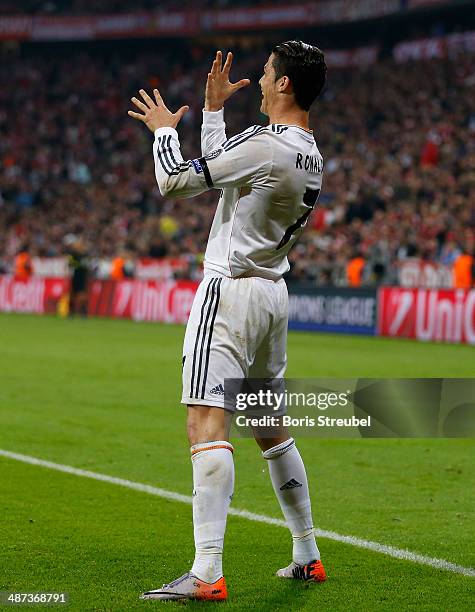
(156, 114)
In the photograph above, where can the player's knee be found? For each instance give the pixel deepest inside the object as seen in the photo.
(196, 423)
(205, 424)
(268, 439)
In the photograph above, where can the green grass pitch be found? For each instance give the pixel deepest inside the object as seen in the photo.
(103, 395)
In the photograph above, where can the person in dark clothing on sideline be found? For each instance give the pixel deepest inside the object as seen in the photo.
(79, 266)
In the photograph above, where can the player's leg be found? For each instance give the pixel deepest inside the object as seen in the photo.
(213, 487)
(205, 423)
(209, 356)
(213, 353)
(286, 467)
(289, 480)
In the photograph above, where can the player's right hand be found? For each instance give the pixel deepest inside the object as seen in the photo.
(155, 114)
(218, 86)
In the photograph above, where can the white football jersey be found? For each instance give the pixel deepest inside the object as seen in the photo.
(270, 179)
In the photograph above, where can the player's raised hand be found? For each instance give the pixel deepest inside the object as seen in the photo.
(155, 113)
(218, 86)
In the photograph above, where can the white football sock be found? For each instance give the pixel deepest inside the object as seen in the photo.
(290, 484)
(213, 484)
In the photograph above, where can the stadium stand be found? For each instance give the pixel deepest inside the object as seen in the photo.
(86, 7)
(398, 139)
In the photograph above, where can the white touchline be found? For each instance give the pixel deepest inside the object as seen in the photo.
(397, 553)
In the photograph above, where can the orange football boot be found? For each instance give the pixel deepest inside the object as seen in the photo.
(189, 586)
(311, 572)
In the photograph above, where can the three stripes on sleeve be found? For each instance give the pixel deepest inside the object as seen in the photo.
(170, 165)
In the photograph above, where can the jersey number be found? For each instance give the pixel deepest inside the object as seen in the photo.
(310, 198)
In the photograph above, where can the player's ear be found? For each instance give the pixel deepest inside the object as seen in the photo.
(284, 85)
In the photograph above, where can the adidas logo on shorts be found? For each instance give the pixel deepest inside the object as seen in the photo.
(218, 390)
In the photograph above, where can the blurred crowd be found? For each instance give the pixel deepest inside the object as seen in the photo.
(398, 142)
(104, 7)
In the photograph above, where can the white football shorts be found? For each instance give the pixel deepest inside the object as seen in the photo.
(237, 329)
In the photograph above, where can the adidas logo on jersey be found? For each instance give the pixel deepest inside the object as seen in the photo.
(291, 484)
(218, 390)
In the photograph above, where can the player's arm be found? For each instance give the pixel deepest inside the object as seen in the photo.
(240, 160)
(213, 131)
(218, 90)
(243, 160)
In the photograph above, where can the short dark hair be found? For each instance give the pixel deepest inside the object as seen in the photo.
(305, 66)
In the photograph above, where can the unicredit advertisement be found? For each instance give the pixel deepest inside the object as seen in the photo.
(165, 301)
(440, 315)
(159, 301)
(443, 315)
(35, 295)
